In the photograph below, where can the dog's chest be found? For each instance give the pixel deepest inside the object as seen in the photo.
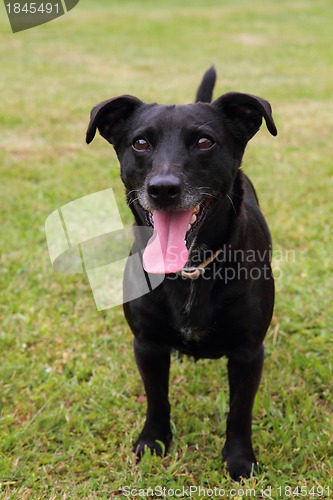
(191, 299)
(193, 334)
(191, 313)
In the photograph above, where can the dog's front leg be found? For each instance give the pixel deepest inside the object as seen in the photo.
(153, 362)
(244, 379)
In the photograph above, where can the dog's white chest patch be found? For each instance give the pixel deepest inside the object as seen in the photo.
(191, 299)
(189, 331)
(192, 334)
(189, 304)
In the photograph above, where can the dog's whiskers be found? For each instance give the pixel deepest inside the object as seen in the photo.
(210, 194)
(133, 201)
(232, 204)
(130, 202)
(205, 124)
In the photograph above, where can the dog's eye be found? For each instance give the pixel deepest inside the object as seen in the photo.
(205, 143)
(140, 144)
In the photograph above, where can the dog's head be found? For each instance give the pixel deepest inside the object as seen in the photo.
(178, 161)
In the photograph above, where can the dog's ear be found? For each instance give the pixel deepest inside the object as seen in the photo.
(109, 116)
(245, 112)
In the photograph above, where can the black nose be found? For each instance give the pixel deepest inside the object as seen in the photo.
(164, 189)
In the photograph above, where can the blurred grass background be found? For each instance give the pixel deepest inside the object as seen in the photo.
(71, 399)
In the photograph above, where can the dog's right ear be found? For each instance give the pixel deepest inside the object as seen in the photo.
(108, 116)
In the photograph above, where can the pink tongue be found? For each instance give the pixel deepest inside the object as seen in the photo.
(166, 251)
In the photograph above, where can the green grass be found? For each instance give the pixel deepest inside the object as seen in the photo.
(71, 399)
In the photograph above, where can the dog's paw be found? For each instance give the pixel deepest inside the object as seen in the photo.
(241, 468)
(240, 465)
(157, 443)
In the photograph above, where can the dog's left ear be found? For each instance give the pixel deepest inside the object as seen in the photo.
(244, 113)
(109, 117)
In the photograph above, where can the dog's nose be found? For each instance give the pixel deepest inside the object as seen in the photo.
(164, 189)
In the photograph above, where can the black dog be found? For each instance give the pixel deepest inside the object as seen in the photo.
(180, 165)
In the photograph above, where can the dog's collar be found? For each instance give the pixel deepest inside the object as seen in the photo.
(193, 273)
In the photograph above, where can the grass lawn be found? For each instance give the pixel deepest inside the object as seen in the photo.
(71, 402)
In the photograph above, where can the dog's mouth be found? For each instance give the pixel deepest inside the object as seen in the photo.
(197, 214)
(166, 251)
